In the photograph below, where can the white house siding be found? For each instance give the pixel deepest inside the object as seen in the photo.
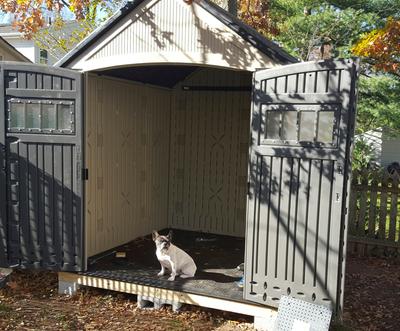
(25, 47)
(390, 150)
(385, 144)
(8, 53)
(374, 139)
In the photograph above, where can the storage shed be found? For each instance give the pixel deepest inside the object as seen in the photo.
(176, 115)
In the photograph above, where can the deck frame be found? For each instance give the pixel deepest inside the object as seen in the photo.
(250, 309)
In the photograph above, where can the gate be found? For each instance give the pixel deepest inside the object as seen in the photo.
(41, 158)
(302, 127)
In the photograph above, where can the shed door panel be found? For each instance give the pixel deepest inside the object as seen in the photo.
(42, 151)
(302, 125)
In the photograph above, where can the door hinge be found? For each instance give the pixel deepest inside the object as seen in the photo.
(85, 174)
(248, 188)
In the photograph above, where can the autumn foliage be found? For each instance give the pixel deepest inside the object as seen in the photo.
(382, 47)
(256, 13)
(29, 14)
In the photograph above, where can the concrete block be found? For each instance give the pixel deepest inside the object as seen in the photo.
(146, 302)
(68, 288)
(266, 322)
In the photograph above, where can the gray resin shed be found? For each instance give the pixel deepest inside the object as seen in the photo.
(176, 115)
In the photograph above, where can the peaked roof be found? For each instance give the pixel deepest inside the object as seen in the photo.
(13, 51)
(247, 33)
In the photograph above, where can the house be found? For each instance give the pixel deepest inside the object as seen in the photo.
(385, 144)
(145, 125)
(9, 53)
(27, 47)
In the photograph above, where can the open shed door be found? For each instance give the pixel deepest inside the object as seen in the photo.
(302, 127)
(41, 162)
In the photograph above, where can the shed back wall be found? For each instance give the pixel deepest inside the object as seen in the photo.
(209, 153)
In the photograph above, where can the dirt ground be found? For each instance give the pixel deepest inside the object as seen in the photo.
(372, 294)
(30, 302)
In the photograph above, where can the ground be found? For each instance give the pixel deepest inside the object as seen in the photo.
(30, 302)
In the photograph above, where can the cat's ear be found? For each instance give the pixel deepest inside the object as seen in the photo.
(169, 236)
(155, 235)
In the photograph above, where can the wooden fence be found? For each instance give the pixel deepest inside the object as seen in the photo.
(374, 214)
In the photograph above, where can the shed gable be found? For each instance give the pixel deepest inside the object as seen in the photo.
(158, 32)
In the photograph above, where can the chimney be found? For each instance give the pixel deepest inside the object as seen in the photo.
(232, 7)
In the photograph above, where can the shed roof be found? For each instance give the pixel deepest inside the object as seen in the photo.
(165, 22)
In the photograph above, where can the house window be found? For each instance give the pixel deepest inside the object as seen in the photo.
(33, 116)
(43, 56)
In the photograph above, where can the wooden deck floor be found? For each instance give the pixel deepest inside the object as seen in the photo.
(216, 258)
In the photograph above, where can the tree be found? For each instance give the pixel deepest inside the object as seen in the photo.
(381, 47)
(378, 103)
(62, 34)
(303, 26)
(30, 14)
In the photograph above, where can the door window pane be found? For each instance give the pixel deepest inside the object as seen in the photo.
(273, 124)
(17, 115)
(307, 126)
(326, 126)
(32, 116)
(289, 127)
(48, 117)
(64, 117)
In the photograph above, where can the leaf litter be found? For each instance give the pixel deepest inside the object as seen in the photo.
(30, 302)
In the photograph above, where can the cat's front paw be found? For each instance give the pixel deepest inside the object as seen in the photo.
(161, 273)
(171, 279)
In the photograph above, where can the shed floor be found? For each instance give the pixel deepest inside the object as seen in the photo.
(216, 257)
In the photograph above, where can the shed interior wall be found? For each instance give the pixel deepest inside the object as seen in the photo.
(162, 158)
(209, 152)
(127, 137)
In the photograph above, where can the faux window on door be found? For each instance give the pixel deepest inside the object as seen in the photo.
(41, 116)
(289, 124)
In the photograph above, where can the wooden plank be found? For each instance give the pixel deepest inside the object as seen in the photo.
(363, 211)
(394, 210)
(245, 308)
(373, 241)
(372, 207)
(353, 211)
(383, 209)
(360, 188)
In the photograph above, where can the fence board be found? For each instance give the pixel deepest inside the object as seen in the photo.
(363, 210)
(394, 203)
(383, 208)
(372, 208)
(374, 215)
